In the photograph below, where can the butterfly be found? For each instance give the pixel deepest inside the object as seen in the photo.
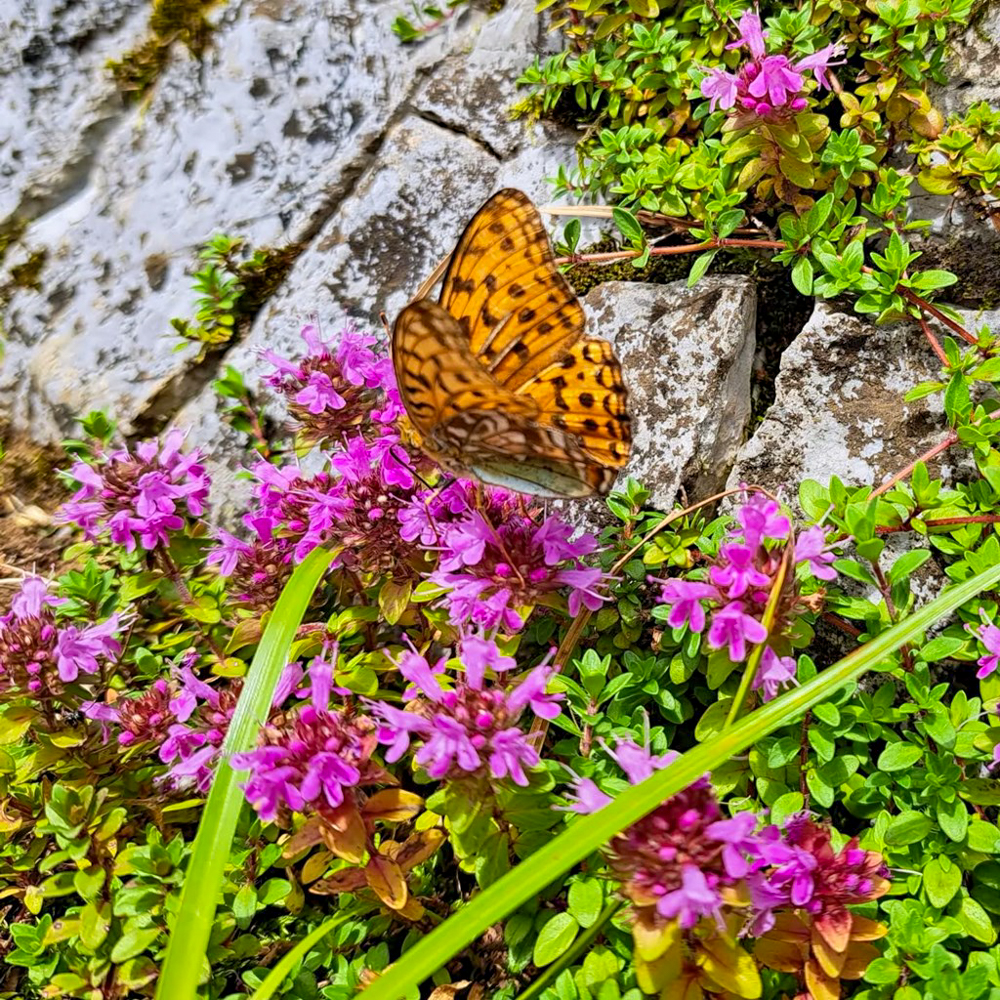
(498, 378)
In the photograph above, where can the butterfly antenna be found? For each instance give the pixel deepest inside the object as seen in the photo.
(404, 459)
(385, 324)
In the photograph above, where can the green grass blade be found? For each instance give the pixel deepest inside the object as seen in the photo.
(278, 974)
(532, 875)
(188, 942)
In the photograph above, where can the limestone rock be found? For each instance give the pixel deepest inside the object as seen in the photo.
(838, 408)
(473, 92)
(974, 65)
(56, 101)
(263, 138)
(686, 356)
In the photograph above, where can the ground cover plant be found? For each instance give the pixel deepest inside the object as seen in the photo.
(407, 736)
(724, 125)
(445, 710)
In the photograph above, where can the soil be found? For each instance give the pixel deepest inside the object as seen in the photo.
(30, 493)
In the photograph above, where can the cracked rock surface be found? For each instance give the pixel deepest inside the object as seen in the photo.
(307, 123)
(838, 408)
(263, 138)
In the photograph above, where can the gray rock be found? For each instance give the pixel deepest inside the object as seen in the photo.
(262, 139)
(686, 356)
(405, 214)
(838, 408)
(974, 65)
(56, 101)
(472, 93)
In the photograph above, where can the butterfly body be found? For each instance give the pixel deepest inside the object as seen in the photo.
(498, 379)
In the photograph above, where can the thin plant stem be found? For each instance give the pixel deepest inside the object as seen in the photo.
(926, 307)
(940, 522)
(599, 258)
(941, 446)
(580, 945)
(933, 341)
(767, 620)
(175, 576)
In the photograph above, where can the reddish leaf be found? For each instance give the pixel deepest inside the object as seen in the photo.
(392, 804)
(419, 847)
(348, 839)
(346, 880)
(834, 926)
(387, 881)
(308, 835)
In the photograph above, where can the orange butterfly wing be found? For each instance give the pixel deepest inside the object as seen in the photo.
(498, 379)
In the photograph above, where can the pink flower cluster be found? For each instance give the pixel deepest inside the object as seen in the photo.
(313, 756)
(335, 389)
(141, 497)
(738, 587)
(355, 507)
(38, 656)
(492, 572)
(466, 725)
(766, 86)
(680, 857)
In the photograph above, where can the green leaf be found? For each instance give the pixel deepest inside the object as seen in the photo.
(942, 879)
(554, 938)
(983, 837)
(980, 791)
(94, 924)
(882, 972)
(786, 805)
(179, 977)
(940, 647)
(627, 224)
(976, 921)
(585, 900)
(802, 275)
(245, 906)
(286, 964)
(527, 880)
(907, 828)
(700, 266)
(813, 498)
(953, 818)
(899, 756)
(133, 941)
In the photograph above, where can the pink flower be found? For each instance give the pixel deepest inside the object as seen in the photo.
(766, 86)
(694, 899)
(820, 63)
(685, 598)
(311, 760)
(77, 650)
(773, 672)
(989, 635)
(337, 387)
(738, 571)
(733, 627)
(467, 728)
(39, 655)
(721, 88)
(148, 494)
(491, 572)
(761, 519)
(812, 549)
(751, 35)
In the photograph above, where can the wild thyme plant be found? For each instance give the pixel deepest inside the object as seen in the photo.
(736, 122)
(471, 676)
